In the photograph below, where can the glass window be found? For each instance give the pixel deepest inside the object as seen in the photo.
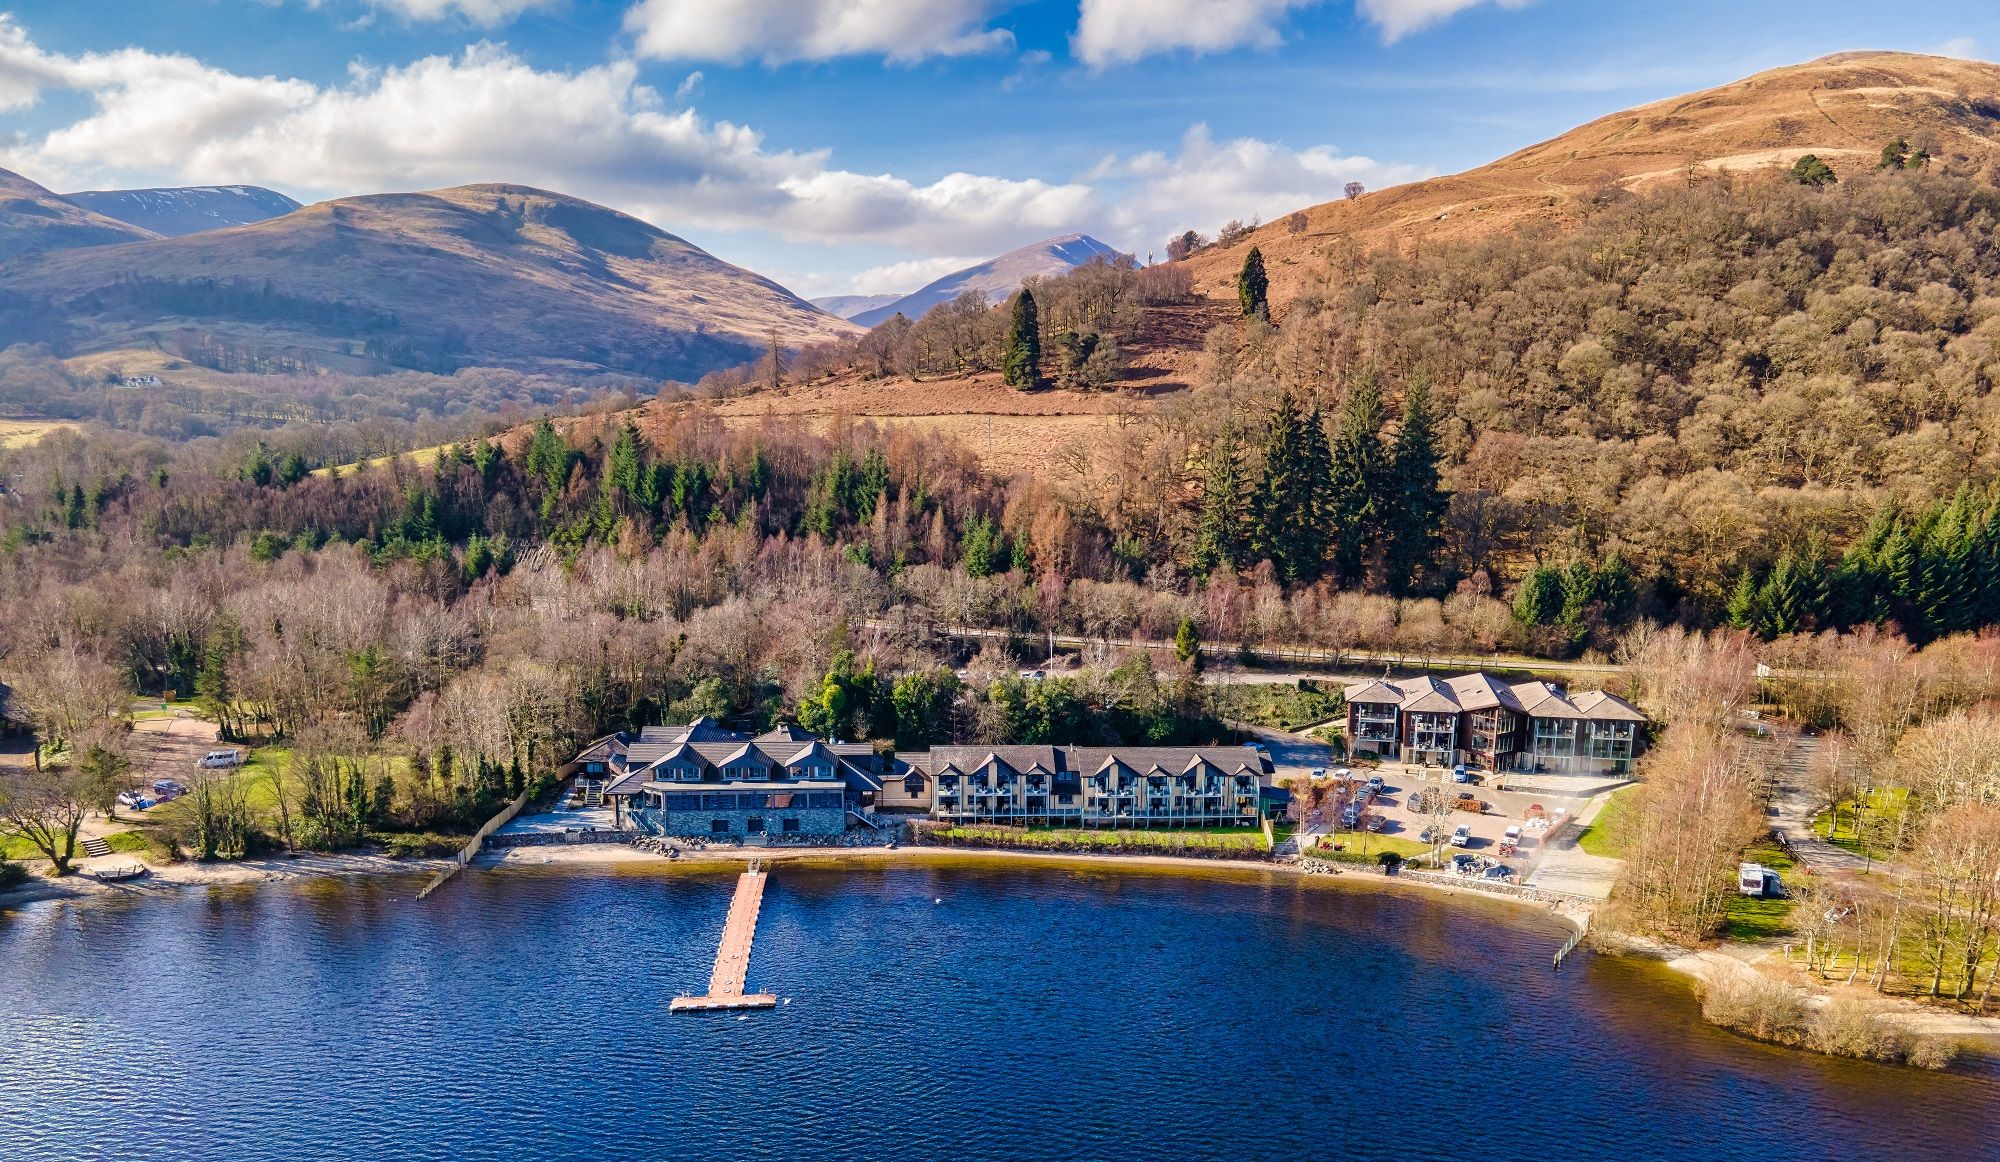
(791, 826)
(755, 826)
(718, 826)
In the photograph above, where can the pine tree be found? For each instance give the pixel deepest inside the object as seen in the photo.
(1540, 600)
(1783, 603)
(1745, 607)
(1355, 495)
(1288, 521)
(1187, 644)
(1417, 500)
(1253, 286)
(1219, 534)
(1022, 363)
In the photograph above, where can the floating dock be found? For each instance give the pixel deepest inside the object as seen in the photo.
(732, 958)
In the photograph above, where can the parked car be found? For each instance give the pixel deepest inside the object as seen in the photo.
(1375, 785)
(1350, 815)
(1374, 823)
(1512, 835)
(1461, 835)
(1458, 774)
(216, 760)
(1497, 872)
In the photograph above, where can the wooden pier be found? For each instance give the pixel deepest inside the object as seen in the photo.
(732, 957)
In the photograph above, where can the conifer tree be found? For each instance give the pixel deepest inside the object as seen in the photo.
(1219, 541)
(1022, 363)
(1355, 497)
(1540, 600)
(1416, 500)
(1288, 525)
(1253, 286)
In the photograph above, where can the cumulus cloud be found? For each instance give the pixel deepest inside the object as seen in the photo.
(487, 115)
(1399, 18)
(488, 13)
(1117, 31)
(1120, 31)
(904, 277)
(776, 31)
(1209, 182)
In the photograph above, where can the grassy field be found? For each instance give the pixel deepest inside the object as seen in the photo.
(1208, 839)
(1600, 837)
(21, 433)
(1279, 704)
(1877, 818)
(1365, 850)
(1751, 918)
(422, 457)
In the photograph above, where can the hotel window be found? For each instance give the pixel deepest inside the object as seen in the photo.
(755, 825)
(913, 785)
(791, 826)
(719, 826)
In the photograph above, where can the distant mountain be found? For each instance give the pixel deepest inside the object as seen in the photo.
(35, 218)
(175, 211)
(997, 277)
(477, 275)
(848, 306)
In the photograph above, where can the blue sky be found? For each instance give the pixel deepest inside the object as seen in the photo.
(868, 145)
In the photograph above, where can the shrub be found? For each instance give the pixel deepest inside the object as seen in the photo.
(1771, 1011)
(1764, 1009)
(12, 875)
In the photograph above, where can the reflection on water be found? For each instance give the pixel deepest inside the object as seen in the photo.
(961, 1012)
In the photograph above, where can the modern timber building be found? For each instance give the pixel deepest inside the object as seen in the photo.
(1477, 720)
(1083, 786)
(705, 780)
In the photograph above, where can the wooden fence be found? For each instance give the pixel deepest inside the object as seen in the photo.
(471, 849)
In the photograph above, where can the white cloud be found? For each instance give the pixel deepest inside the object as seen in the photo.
(1120, 31)
(1962, 47)
(1210, 182)
(1117, 31)
(486, 115)
(688, 87)
(904, 277)
(1398, 18)
(486, 13)
(776, 31)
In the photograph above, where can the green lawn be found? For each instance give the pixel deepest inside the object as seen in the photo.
(1243, 839)
(1600, 838)
(1364, 850)
(1750, 918)
(1878, 817)
(1280, 704)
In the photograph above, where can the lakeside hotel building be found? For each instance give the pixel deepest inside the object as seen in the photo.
(704, 780)
(1480, 721)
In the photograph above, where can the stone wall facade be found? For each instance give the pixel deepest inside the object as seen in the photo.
(719, 823)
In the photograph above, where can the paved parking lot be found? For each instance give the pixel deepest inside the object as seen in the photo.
(1504, 809)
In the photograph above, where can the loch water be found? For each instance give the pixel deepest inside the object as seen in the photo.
(967, 1011)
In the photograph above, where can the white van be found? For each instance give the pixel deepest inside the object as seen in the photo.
(1750, 879)
(216, 760)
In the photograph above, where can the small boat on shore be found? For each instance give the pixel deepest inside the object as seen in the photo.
(112, 875)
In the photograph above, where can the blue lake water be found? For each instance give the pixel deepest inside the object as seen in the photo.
(1032, 1013)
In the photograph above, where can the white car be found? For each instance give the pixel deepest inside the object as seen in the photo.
(1462, 836)
(216, 760)
(1512, 835)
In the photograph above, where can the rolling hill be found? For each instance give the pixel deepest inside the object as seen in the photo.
(491, 275)
(997, 278)
(848, 306)
(174, 211)
(1841, 108)
(34, 218)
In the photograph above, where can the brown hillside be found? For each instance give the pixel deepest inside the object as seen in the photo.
(489, 274)
(34, 218)
(1842, 108)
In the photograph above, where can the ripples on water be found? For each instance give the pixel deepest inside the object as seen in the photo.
(1040, 1014)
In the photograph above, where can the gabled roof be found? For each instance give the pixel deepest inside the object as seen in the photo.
(1375, 690)
(1429, 696)
(1482, 692)
(1545, 700)
(785, 732)
(1604, 706)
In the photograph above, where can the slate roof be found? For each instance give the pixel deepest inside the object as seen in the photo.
(1477, 691)
(636, 760)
